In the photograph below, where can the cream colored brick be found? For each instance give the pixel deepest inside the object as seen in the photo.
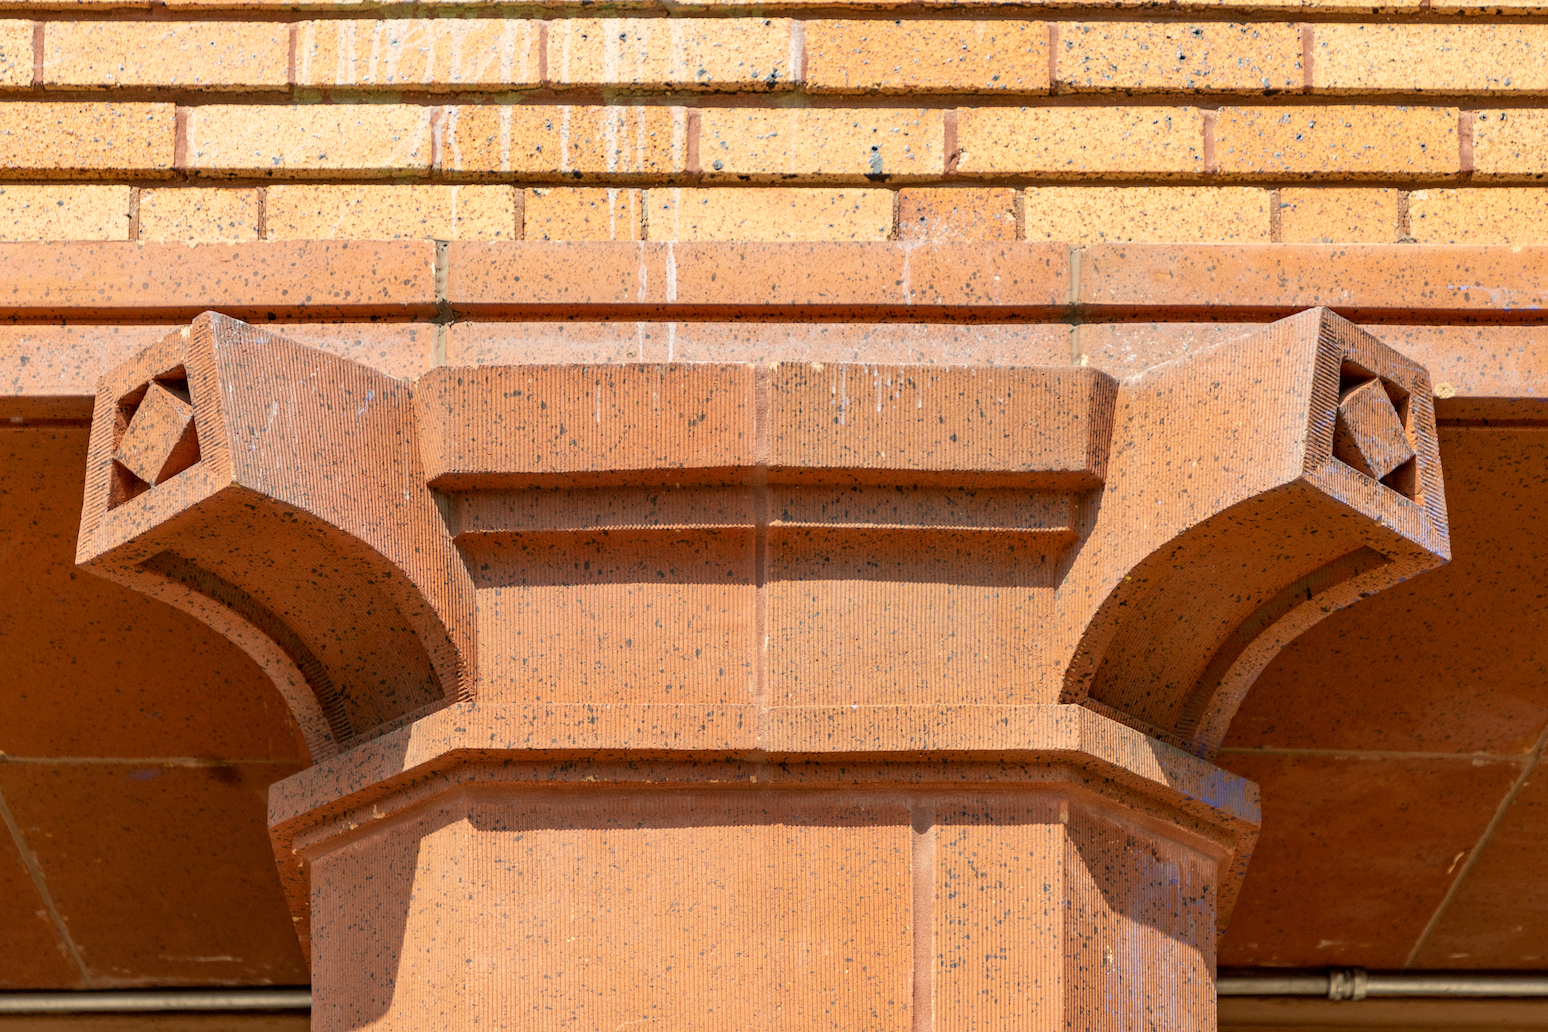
(821, 142)
(1085, 215)
(1179, 56)
(15, 54)
(191, 55)
(1511, 142)
(64, 212)
(1338, 215)
(202, 215)
(955, 56)
(1434, 58)
(1312, 140)
(1508, 215)
(583, 213)
(365, 139)
(1081, 140)
(632, 140)
(64, 138)
(391, 212)
(940, 214)
(661, 53)
(407, 52)
(769, 213)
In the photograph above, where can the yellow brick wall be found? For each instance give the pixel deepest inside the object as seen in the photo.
(1204, 120)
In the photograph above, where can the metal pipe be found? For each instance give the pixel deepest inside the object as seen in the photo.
(1336, 984)
(1359, 984)
(156, 1000)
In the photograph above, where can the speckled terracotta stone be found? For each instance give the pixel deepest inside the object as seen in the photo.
(614, 907)
(1393, 829)
(371, 618)
(500, 343)
(26, 932)
(98, 670)
(933, 869)
(726, 278)
(1279, 469)
(1490, 919)
(673, 53)
(172, 281)
(1450, 692)
(1360, 280)
(207, 817)
(665, 610)
(769, 214)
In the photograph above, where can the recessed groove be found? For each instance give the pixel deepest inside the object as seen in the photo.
(40, 884)
(1532, 759)
(1372, 754)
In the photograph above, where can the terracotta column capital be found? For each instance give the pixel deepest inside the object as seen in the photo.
(1253, 489)
(1228, 493)
(949, 611)
(277, 493)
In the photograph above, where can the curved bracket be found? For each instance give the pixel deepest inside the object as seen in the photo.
(1252, 490)
(276, 492)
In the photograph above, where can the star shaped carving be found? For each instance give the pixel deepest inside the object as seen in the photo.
(161, 440)
(1369, 434)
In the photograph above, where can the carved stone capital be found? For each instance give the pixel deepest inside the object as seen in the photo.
(277, 493)
(789, 559)
(1252, 490)
(907, 582)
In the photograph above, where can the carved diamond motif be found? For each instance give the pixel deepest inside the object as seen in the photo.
(160, 440)
(1370, 435)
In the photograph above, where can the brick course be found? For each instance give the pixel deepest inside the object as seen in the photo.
(908, 56)
(1187, 56)
(1325, 141)
(827, 143)
(391, 213)
(191, 55)
(66, 138)
(360, 139)
(585, 163)
(64, 212)
(1081, 140)
(632, 140)
(1146, 214)
(771, 213)
(698, 53)
(203, 215)
(410, 52)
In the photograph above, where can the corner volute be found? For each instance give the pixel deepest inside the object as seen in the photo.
(276, 492)
(1252, 489)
